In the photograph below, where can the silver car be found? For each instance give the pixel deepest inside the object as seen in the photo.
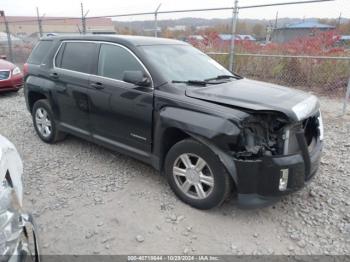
(18, 239)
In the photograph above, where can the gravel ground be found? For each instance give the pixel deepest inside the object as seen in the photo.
(89, 200)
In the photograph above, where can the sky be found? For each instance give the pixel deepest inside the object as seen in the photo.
(110, 7)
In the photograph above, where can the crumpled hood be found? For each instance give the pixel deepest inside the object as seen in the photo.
(258, 96)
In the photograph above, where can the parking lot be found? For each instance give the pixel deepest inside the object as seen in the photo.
(89, 200)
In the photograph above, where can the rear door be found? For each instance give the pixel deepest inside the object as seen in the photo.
(121, 112)
(72, 67)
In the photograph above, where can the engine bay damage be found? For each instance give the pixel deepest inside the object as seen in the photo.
(262, 135)
(272, 134)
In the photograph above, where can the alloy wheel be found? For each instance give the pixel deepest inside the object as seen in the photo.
(193, 176)
(43, 122)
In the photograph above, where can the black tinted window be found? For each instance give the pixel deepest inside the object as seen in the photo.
(58, 59)
(40, 51)
(78, 56)
(115, 60)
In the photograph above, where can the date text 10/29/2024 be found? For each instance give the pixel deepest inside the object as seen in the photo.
(173, 258)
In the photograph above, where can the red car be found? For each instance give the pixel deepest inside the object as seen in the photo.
(11, 77)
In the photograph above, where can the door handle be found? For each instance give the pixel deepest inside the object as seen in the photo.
(97, 85)
(54, 75)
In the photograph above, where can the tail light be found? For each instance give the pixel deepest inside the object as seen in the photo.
(25, 69)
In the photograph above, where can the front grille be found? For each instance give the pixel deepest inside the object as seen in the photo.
(5, 74)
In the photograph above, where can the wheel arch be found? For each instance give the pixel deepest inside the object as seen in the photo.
(37, 88)
(176, 124)
(169, 137)
(33, 97)
(224, 158)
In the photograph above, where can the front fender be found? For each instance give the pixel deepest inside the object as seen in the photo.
(205, 125)
(225, 158)
(214, 131)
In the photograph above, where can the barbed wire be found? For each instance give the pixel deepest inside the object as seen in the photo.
(175, 11)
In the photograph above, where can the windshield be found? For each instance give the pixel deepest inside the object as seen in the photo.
(183, 63)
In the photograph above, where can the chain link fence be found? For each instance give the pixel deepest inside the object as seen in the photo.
(319, 71)
(328, 76)
(20, 51)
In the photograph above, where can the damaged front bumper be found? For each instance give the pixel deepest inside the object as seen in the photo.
(18, 240)
(259, 180)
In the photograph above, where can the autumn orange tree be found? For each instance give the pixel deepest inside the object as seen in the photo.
(325, 75)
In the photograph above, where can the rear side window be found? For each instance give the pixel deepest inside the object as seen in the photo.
(115, 60)
(39, 53)
(77, 56)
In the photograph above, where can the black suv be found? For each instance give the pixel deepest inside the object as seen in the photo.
(211, 132)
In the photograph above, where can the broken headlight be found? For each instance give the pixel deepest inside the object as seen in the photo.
(303, 109)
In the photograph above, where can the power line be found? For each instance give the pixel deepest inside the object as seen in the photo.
(285, 3)
(216, 9)
(175, 11)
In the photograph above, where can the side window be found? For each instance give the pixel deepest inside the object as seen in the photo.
(40, 52)
(115, 60)
(58, 59)
(78, 56)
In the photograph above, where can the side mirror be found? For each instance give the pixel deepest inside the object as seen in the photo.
(137, 78)
(3, 57)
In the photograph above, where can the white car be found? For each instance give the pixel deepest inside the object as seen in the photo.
(18, 240)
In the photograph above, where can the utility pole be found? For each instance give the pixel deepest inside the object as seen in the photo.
(339, 19)
(268, 33)
(233, 34)
(276, 20)
(9, 42)
(39, 22)
(83, 19)
(156, 21)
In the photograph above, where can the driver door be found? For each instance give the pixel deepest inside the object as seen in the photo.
(121, 112)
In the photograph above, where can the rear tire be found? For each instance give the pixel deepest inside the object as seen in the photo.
(44, 122)
(196, 175)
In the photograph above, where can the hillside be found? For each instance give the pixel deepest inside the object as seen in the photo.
(196, 25)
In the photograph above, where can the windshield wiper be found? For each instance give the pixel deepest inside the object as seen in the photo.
(221, 77)
(207, 81)
(191, 82)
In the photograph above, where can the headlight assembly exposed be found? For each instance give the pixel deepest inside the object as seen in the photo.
(303, 109)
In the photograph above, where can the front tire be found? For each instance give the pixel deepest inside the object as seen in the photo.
(196, 175)
(44, 122)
